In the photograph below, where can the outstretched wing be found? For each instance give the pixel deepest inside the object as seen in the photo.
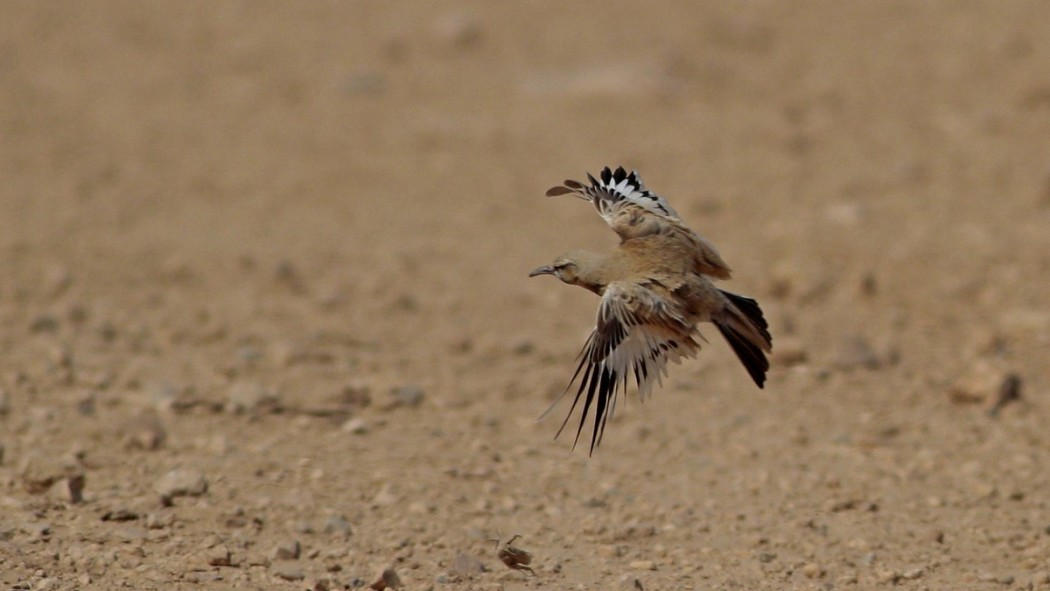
(637, 332)
(632, 211)
(615, 191)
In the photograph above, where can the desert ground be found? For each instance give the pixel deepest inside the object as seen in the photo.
(265, 319)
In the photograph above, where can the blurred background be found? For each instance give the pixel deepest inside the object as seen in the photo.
(282, 249)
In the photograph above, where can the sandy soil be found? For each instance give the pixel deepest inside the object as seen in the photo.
(265, 320)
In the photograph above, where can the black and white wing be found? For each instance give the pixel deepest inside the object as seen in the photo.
(637, 332)
(614, 191)
(632, 211)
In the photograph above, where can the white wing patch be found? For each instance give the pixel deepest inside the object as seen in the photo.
(632, 211)
(637, 333)
(614, 190)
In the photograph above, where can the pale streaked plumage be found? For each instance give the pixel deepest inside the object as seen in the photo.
(654, 289)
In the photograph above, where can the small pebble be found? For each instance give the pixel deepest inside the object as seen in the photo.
(421, 507)
(812, 570)
(1009, 391)
(159, 520)
(886, 575)
(356, 426)
(38, 530)
(219, 556)
(338, 525)
(288, 550)
(143, 431)
(914, 573)
(162, 396)
(385, 497)
(980, 382)
(120, 515)
(257, 559)
(993, 578)
(357, 393)
(181, 482)
(985, 490)
(289, 570)
(249, 397)
(388, 579)
(642, 565)
(409, 395)
(847, 580)
(39, 472)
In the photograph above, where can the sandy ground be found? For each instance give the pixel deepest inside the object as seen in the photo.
(265, 320)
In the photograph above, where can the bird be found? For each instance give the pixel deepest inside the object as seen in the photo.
(655, 288)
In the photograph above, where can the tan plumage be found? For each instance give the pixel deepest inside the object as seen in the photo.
(632, 211)
(655, 290)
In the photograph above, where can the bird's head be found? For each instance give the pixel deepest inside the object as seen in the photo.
(576, 268)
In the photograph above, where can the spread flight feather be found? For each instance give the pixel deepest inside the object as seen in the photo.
(632, 211)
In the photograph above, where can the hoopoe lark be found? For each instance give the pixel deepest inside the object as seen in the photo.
(655, 289)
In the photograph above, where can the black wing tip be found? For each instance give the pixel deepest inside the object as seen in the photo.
(607, 177)
(610, 176)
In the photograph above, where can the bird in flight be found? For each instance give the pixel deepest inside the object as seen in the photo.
(655, 288)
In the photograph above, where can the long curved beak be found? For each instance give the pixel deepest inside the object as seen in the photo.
(544, 270)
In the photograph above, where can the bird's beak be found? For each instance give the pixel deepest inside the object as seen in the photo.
(544, 270)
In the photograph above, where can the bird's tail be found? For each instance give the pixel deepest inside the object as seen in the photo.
(745, 328)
